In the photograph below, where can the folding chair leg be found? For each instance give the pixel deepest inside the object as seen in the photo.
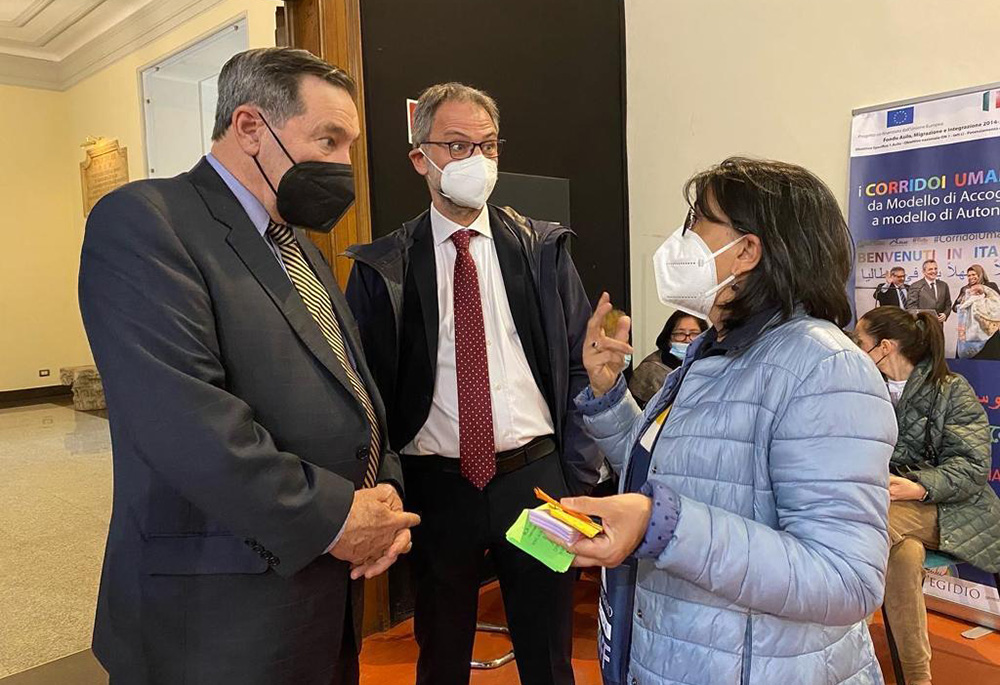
(897, 667)
(499, 661)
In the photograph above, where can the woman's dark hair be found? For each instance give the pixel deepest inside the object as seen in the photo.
(920, 336)
(807, 249)
(663, 339)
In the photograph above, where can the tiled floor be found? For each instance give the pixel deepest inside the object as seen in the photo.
(55, 502)
(55, 499)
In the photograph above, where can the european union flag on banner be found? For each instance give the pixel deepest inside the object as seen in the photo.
(899, 117)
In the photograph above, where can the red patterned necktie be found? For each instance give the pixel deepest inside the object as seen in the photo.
(475, 407)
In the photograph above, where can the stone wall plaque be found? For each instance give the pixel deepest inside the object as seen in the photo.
(105, 169)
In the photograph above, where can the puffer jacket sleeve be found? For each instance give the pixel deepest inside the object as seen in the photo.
(613, 422)
(829, 465)
(965, 453)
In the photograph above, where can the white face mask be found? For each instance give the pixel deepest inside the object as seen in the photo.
(895, 390)
(685, 273)
(467, 182)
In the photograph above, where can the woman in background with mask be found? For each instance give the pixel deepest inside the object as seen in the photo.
(678, 332)
(941, 497)
(750, 542)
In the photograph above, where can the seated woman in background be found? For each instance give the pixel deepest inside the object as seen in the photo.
(672, 344)
(941, 496)
(753, 528)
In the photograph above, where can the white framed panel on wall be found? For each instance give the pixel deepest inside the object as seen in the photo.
(179, 94)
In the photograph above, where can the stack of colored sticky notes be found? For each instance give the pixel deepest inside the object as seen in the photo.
(543, 517)
(529, 538)
(528, 532)
(574, 519)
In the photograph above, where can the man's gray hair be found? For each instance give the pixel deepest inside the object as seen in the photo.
(269, 78)
(435, 96)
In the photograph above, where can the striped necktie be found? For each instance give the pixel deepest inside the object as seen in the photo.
(317, 301)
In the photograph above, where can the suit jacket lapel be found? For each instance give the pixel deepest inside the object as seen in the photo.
(348, 327)
(513, 271)
(263, 264)
(423, 267)
(516, 283)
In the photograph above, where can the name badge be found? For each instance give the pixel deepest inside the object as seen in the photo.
(649, 437)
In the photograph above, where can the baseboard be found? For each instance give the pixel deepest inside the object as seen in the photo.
(81, 668)
(29, 395)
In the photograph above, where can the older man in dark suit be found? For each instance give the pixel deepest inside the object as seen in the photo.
(252, 475)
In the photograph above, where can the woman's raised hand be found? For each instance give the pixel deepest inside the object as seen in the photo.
(604, 357)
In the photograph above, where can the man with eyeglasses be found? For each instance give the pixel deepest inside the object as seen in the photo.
(473, 318)
(893, 292)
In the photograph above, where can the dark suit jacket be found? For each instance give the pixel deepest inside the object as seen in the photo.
(921, 296)
(393, 293)
(888, 295)
(238, 443)
(419, 336)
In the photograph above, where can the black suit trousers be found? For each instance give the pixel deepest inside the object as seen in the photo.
(461, 524)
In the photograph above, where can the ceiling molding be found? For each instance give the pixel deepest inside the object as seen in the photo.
(135, 31)
(29, 72)
(29, 13)
(66, 23)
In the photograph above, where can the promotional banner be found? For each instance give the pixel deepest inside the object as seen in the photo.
(924, 209)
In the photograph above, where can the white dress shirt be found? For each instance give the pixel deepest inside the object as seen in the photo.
(520, 413)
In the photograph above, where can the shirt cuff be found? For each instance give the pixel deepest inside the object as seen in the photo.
(336, 539)
(589, 405)
(662, 522)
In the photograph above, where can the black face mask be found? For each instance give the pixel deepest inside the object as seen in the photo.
(312, 195)
(880, 360)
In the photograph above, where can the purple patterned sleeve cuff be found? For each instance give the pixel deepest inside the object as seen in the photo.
(592, 406)
(662, 522)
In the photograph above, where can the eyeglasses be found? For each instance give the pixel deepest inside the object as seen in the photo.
(692, 219)
(463, 149)
(684, 336)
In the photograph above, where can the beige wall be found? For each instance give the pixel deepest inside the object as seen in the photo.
(773, 78)
(39, 321)
(42, 222)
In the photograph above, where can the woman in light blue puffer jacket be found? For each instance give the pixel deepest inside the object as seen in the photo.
(750, 542)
